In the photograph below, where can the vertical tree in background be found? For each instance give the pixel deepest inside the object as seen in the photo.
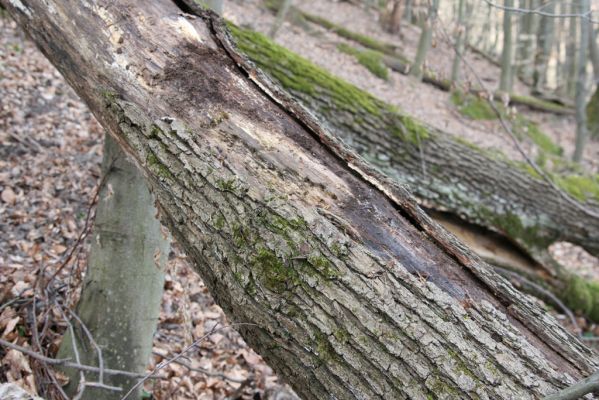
(571, 50)
(394, 16)
(526, 41)
(581, 82)
(120, 301)
(214, 5)
(506, 78)
(426, 37)
(593, 105)
(460, 41)
(281, 15)
(544, 44)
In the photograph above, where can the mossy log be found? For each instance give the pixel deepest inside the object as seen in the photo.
(448, 174)
(347, 288)
(393, 59)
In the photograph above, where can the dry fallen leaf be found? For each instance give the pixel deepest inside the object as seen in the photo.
(8, 196)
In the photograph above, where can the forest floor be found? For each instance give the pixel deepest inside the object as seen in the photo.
(50, 153)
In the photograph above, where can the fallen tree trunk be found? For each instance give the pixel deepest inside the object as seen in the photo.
(448, 175)
(349, 289)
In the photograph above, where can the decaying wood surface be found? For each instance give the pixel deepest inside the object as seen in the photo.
(353, 290)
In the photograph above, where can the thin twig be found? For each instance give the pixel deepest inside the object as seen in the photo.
(586, 15)
(93, 343)
(65, 362)
(87, 226)
(205, 371)
(181, 354)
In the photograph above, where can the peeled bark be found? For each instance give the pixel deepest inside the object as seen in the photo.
(353, 292)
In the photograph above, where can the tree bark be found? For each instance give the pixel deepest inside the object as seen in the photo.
(507, 74)
(446, 175)
(120, 302)
(544, 45)
(353, 292)
(426, 38)
(460, 39)
(581, 85)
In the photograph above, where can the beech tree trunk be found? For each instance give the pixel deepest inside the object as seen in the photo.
(581, 85)
(120, 302)
(351, 290)
(426, 38)
(507, 74)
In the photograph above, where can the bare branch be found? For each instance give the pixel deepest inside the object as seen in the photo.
(586, 15)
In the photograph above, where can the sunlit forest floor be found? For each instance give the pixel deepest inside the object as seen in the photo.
(50, 152)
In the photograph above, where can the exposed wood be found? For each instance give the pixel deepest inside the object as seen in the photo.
(354, 291)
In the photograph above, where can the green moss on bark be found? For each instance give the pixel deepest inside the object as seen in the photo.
(299, 75)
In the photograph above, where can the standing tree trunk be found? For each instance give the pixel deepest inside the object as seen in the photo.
(281, 16)
(593, 104)
(506, 78)
(214, 5)
(424, 43)
(351, 291)
(581, 85)
(459, 41)
(572, 50)
(527, 42)
(544, 45)
(120, 302)
(394, 18)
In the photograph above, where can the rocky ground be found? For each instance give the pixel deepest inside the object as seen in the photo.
(50, 152)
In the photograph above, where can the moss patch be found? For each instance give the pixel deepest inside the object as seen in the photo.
(513, 226)
(274, 275)
(582, 296)
(472, 106)
(372, 60)
(541, 104)
(155, 165)
(581, 187)
(298, 74)
(593, 114)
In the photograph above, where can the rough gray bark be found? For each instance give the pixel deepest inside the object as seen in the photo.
(120, 301)
(507, 74)
(581, 85)
(353, 291)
